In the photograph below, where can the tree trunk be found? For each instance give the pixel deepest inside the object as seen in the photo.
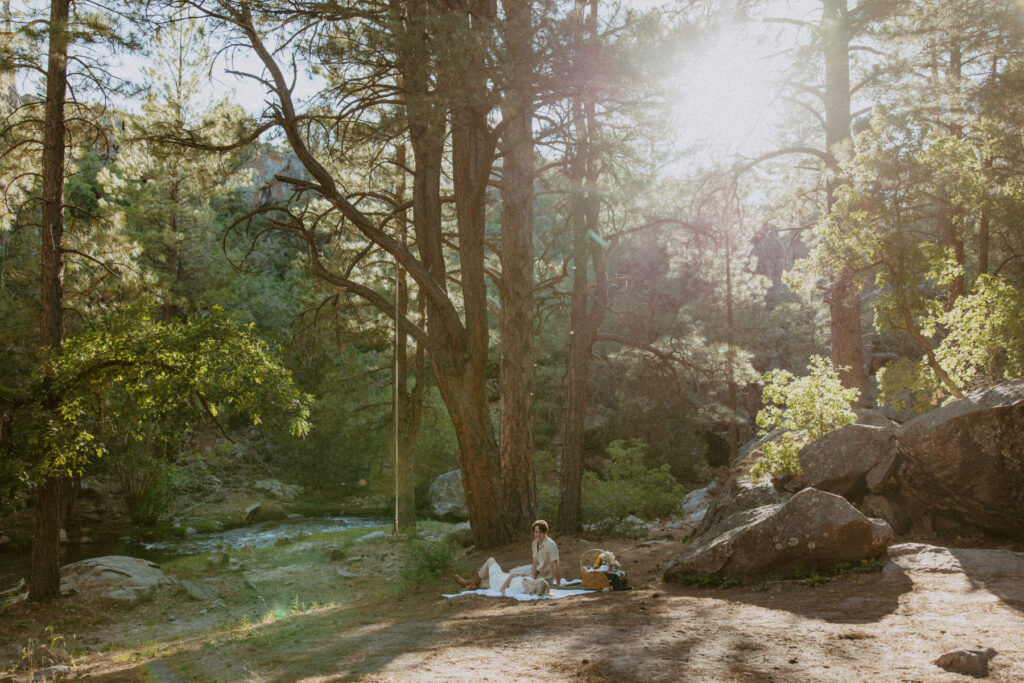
(403, 442)
(585, 316)
(844, 294)
(517, 373)
(44, 576)
(458, 354)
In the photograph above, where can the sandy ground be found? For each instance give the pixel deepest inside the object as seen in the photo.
(882, 626)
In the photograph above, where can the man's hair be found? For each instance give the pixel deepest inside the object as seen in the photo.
(538, 587)
(542, 525)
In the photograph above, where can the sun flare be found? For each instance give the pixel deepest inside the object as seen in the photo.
(725, 97)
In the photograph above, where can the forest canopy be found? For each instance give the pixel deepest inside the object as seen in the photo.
(573, 249)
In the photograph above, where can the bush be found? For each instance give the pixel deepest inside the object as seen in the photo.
(547, 484)
(426, 561)
(629, 488)
(806, 408)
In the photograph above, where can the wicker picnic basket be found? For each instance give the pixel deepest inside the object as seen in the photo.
(590, 577)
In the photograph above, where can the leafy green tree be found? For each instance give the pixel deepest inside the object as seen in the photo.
(804, 408)
(129, 372)
(629, 487)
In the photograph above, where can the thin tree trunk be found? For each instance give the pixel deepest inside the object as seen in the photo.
(405, 481)
(44, 581)
(585, 316)
(517, 373)
(844, 294)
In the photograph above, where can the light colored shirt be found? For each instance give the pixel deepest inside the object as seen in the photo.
(545, 556)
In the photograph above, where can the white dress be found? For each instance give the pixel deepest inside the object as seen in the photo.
(497, 578)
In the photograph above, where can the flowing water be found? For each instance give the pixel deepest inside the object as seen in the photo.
(14, 565)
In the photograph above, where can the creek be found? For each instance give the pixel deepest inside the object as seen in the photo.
(15, 565)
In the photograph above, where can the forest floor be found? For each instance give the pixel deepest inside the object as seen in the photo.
(288, 615)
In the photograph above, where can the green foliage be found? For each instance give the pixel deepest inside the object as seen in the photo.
(131, 377)
(982, 343)
(427, 561)
(547, 484)
(628, 487)
(805, 408)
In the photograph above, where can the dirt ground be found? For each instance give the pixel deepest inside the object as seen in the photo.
(882, 626)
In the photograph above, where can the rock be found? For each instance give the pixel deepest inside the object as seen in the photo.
(198, 591)
(345, 574)
(737, 495)
(124, 580)
(4, 540)
(631, 527)
(813, 529)
(264, 512)
(190, 531)
(965, 461)
(215, 495)
(250, 512)
(334, 554)
(85, 540)
(294, 515)
(873, 418)
(844, 461)
(372, 536)
(461, 535)
(51, 673)
(63, 536)
(982, 566)
(447, 498)
(698, 501)
(971, 661)
(278, 489)
(893, 513)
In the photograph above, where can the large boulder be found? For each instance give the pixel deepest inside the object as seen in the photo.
(736, 495)
(121, 579)
(278, 489)
(811, 530)
(850, 461)
(965, 461)
(447, 498)
(982, 566)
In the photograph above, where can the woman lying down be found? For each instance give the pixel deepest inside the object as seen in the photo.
(515, 582)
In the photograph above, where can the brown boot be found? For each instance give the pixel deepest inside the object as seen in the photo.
(470, 584)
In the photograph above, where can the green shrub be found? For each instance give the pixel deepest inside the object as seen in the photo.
(426, 561)
(629, 488)
(806, 408)
(547, 484)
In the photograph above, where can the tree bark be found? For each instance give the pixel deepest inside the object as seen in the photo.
(458, 354)
(404, 434)
(517, 310)
(586, 316)
(844, 294)
(44, 575)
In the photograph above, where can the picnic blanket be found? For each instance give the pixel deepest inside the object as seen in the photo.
(553, 595)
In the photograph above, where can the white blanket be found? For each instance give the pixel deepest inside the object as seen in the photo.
(553, 595)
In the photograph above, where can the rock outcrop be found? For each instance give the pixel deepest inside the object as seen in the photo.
(278, 489)
(811, 530)
(965, 461)
(447, 498)
(123, 580)
(850, 461)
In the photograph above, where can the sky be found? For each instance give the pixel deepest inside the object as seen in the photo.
(723, 95)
